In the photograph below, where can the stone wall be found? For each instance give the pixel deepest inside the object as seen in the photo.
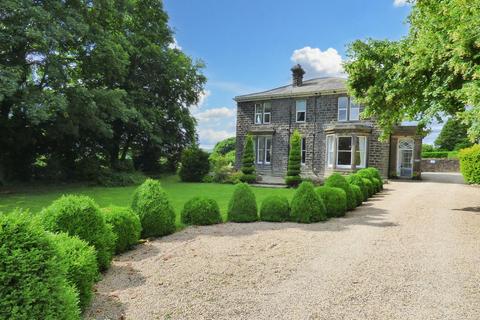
(440, 165)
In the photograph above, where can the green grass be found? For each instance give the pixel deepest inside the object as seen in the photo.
(38, 197)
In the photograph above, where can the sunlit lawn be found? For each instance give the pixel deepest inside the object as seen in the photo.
(36, 198)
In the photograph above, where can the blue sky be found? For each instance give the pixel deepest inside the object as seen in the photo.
(250, 45)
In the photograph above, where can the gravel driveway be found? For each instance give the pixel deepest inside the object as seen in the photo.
(412, 252)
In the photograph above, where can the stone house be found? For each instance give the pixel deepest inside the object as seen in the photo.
(334, 137)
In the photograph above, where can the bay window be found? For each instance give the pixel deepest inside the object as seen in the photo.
(263, 149)
(361, 152)
(350, 151)
(344, 152)
(330, 150)
(263, 113)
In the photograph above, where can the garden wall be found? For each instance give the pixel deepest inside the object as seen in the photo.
(440, 165)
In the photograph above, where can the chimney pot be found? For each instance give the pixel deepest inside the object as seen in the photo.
(297, 75)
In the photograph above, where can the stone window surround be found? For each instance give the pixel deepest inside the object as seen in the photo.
(266, 150)
(263, 114)
(304, 111)
(303, 151)
(348, 110)
(352, 167)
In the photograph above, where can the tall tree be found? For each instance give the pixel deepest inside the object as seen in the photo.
(431, 72)
(453, 136)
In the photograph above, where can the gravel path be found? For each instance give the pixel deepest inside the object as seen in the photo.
(412, 252)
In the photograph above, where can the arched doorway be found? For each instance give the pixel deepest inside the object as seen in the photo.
(405, 157)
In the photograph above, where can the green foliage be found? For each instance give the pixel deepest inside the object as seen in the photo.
(358, 194)
(248, 162)
(81, 263)
(224, 151)
(470, 164)
(336, 180)
(335, 200)
(33, 282)
(428, 148)
(429, 73)
(378, 184)
(195, 165)
(358, 180)
(242, 206)
(369, 184)
(80, 216)
(293, 178)
(156, 214)
(435, 154)
(201, 211)
(92, 79)
(126, 226)
(110, 178)
(375, 174)
(307, 206)
(275, 209)
(453, 136)
(367, 174)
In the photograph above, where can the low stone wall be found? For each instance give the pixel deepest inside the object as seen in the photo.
(440, 165)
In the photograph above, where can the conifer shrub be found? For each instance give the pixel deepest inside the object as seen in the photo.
(358, 194)
(470, 164)
(80, 216)
(201, 211)
(275, 209)
(242, 206)
(357, 180)
(81, 263)
(335, 200)
(307, 206)
(126, 226)
(336, 180)
(152, 206)
(369, 184)
(293, 178)
(248, 162)
(33, 281)
(194, 165)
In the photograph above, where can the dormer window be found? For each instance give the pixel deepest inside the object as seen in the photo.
(263, 113)
(301, 110)
(348, 110)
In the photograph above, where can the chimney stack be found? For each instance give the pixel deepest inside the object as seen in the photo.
(297, 75)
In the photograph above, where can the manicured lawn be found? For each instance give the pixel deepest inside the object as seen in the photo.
(37, 198)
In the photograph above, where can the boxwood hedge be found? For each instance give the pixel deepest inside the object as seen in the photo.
(126, 226)
(337, 180)
(335, 200)
(358, 194)
(201, 211)
(242, 206)
(470, 164)
(275, 208)
(307, 206)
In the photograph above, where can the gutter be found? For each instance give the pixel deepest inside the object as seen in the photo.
(287, 95)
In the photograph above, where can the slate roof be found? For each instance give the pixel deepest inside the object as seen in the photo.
(309, 87)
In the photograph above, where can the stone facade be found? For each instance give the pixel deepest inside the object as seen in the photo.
(440, 165)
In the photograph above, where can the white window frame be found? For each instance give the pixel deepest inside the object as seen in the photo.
(265, 112)
(348, 110)
(353, 106)
(297, 103)
(303, 151)
(330, 145)
(260, 113)
(261, 153)
(344, 166)
(343, 109)
(363, 164)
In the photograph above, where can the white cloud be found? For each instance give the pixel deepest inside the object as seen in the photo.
(400, 3)
(319, 63)
(215, 113)
(174, 45)
(210, 136)
(203, 97)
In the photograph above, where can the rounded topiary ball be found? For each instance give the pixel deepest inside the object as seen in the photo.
(376, 174)
(336, 180)
(378, 184)
(81, 262)
(275, 209)
(335, 200)
(80, 216)
(33, 283)
(156, 214)
(369, 184)
(358, 194)
(357, 180)
(307, 206)
(126, 226)
(242, 206)
(201, 211)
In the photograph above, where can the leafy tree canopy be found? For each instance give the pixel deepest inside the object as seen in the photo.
(434, 70)
(453, 136)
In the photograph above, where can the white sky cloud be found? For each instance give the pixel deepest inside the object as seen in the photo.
(175, 45)
(209, 136)
(319, 63)
(215, 113)
(203, 98)
(400, 3)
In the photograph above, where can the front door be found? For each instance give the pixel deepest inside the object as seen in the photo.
(405, 158)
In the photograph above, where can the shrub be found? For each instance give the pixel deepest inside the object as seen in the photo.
(335, 200)
(126, 226)
(194, 165)
(201, 211)
(293, 178)
(336, 180)
(33, 282)
(435, 154)
(375, 174)
(81, 263)
(242, 206)
(369, 184)
(248, 162)
(377, 184)
(275, 209)
(470, 163)
(370, 176)
(307, 206)
(111, 178)
(358, 194)
(358, 180)
(156, 214)
(80, 216)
